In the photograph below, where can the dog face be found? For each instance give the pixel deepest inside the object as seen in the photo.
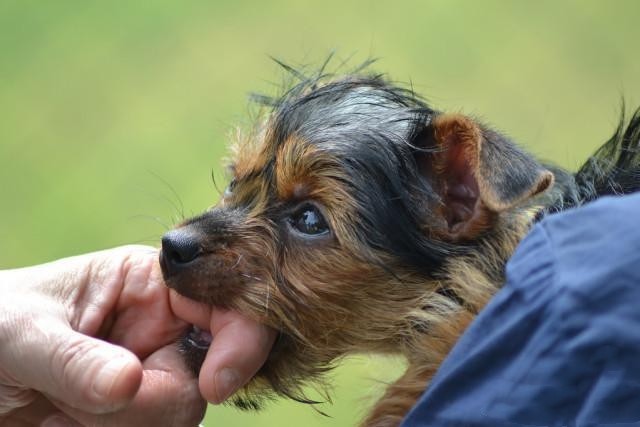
(346, 203)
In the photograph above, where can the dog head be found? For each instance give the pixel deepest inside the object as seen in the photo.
(346, 201)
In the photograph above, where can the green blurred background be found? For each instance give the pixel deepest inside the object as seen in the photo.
(109, 108)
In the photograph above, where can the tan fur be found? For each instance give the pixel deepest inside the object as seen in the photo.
(338, 296)
(476, 279)
(328, 304)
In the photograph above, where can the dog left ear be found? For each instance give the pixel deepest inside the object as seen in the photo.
(477, 172)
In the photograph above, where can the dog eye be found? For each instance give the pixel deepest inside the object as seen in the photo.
(308, 220)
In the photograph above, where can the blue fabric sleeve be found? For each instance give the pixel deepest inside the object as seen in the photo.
(559, 345)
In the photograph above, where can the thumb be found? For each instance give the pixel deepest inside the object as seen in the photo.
(80, 371)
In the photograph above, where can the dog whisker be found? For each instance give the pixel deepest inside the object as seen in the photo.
(360, 219)
(237, 262)
(153, 218)
(175, 201)
(268, 295)
(257, 279)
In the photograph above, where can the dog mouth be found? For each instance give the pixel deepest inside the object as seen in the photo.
(192, 281)
(199, 338)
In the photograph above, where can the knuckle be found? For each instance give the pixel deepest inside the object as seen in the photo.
(168, 404)
(189, 408)
(16, 322)
(14, 397)
(66, 360)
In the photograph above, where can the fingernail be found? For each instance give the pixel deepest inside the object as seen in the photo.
(59, 421)
(227, 381)
(107, 377)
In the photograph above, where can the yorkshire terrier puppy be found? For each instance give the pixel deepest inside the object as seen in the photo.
(359, 219)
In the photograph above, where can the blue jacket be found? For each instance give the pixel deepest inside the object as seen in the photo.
(559, 345)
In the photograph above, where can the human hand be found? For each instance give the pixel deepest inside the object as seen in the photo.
(92, 337)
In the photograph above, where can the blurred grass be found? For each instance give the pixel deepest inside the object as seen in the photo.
(108, 108)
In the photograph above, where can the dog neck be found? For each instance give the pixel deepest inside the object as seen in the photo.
(469, 282)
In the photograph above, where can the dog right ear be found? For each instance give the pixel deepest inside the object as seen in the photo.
(477, 173)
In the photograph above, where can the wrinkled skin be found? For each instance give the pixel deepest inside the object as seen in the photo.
(53, 369)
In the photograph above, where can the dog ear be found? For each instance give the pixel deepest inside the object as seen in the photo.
(477, 172)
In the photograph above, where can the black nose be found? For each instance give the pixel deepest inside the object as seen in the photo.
(179, 247)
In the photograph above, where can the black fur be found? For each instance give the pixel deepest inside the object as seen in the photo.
(370, 125)
(379, 132)
(614, 169)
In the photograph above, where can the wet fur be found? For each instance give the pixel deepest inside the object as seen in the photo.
(403, 272)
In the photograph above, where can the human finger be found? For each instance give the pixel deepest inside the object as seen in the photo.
(239, 349)
(190, 311)
(168, 396)
(86, 373)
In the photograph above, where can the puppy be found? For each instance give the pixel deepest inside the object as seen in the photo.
(360, 219)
